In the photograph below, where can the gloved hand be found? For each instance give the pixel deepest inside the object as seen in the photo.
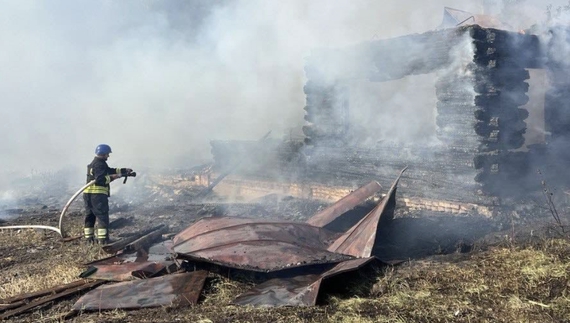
(128, 170)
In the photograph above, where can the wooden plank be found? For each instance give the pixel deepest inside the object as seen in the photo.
(121, 244)
(146, 240)
(43, 292)
(42, 301)
(4, 307)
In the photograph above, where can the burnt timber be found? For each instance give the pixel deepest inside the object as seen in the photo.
(480, 120)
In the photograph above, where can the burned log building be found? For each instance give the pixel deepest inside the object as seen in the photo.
(479, 160)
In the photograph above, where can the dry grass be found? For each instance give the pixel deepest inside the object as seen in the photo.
(501, 284)
(33, 260)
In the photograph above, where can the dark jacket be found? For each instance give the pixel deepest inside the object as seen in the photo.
(99, 171)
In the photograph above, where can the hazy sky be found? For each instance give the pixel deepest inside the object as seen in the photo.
(158, 79)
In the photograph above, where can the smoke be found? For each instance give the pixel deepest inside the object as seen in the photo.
(158, 80)
(403, 111)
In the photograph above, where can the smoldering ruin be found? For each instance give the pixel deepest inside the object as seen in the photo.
(477, 161)
(466, 155)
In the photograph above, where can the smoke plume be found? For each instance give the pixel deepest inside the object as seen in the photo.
(157, 80)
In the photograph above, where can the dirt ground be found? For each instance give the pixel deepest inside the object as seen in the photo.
(452, 269)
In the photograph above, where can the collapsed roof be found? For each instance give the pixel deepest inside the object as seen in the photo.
(455, 17)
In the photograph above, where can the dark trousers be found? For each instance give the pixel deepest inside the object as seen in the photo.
(96, 208)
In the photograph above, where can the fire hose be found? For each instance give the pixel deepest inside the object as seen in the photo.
(59, 229)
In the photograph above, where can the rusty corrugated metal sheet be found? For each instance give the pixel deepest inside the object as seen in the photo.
(264, 256)
(127, 271)
(359, 240)
(346, 266)
(256, 245)
(171, 290)
(345, 204)
(295, 291)
(227, 232)
(455, 17)
(213, 224)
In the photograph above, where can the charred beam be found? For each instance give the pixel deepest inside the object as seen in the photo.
(121, 244)
(42, 301)
(146, 240)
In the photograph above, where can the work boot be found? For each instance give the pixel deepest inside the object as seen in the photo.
(102, 236)
(103, 241)
(89, 235)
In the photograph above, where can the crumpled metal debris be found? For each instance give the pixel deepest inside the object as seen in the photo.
(345, 204)
(174, 290)
(359, 240)
(295, 291)
(254, 244)
(249, 244)
(126, 271)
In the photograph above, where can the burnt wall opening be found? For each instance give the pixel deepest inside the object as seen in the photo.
(409, 104)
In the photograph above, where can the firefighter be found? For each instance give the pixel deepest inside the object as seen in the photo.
(96, 196)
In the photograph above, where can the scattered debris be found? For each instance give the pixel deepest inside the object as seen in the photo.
(172, 290)
(121, 244)
(146, 240)
(296, 291)
(359, 240)
(75, 288)
(53, 290)
(347, 203)
(151, 273)
(125, 271)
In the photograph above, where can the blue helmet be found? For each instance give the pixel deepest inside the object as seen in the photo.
(103, 149)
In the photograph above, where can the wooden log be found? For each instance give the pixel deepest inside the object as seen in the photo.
(146, 240)
(4, 307)
(42, 301)
(121, 244)
(43, 292)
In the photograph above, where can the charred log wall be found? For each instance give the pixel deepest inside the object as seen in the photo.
(557, 101)
(430, 174)
(557, 107)
(326, 113)
(479, 123)
(479, 107)
(552, 157)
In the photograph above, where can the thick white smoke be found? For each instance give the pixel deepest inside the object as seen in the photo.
(158, 79)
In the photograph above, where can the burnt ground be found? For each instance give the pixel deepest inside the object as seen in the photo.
(36, 259)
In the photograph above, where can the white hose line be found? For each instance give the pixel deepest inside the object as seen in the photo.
(59, 230)
(46, 227)
(69, 203)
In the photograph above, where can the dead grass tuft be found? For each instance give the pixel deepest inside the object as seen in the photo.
(33, 260)
(222, 290)
(499, 285)
(39, 279)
